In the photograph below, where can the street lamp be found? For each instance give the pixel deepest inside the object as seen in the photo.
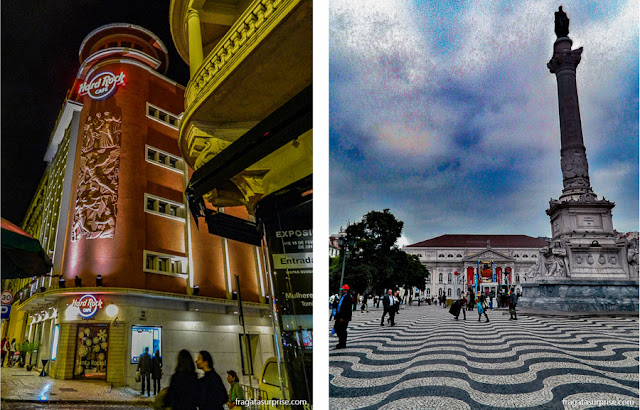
(344, 244)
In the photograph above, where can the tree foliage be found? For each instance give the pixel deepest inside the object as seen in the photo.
(374, 262)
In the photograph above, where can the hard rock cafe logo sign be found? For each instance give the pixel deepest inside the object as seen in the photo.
(87, 305)
(102, 85)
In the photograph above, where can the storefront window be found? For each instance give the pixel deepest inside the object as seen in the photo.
(54, 347)
(92, 351)
(145, 336)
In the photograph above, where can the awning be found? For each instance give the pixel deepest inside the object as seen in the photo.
(22, 255)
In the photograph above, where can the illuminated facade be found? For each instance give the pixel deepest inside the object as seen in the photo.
(484, 263)
(130, 267)
(247, 134)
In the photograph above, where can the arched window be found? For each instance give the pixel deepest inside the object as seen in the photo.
(440, 291)
(534, 256)
(516, 256)
(450, 278)
(449, 292)
(517, 278)
(428, 278)
(441, 255)
(459, 291)
(419, 255)
(458, 256)
(525, 256)
(450, 256)
(440, 277)
(428, 292)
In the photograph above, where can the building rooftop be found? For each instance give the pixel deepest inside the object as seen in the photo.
(480, 241)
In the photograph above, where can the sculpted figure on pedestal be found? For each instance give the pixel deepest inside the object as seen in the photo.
(562, 23)
(555, 266)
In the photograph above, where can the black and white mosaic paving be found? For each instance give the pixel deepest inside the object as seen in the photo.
(428, 360)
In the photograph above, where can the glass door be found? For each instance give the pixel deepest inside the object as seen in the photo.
(92, 348)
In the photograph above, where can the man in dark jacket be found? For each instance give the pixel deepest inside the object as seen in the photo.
(513, 301)
(343, 317)
(388, 302)
(144, 367)
(213, 395)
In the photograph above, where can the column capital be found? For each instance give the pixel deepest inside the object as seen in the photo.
(565, 59)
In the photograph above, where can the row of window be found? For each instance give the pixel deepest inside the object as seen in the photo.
(162, 116)
(164, 207)
(460, 256)
(162, 158)
(165, 264)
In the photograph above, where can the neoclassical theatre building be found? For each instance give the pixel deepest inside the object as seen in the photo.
(476, 263)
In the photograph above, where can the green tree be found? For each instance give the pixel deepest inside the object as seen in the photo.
(374, 262)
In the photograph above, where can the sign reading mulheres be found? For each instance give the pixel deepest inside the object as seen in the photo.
(87, 305)
(102, 85)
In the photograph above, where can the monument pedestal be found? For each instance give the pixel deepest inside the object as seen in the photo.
(567, 295)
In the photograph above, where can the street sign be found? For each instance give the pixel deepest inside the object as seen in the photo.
(6, 311)
(7, 297)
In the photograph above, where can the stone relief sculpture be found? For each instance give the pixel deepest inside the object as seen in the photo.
(533, 270)
(555, 266)
(95, 210)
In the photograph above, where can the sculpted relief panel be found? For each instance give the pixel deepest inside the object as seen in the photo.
(95, 210)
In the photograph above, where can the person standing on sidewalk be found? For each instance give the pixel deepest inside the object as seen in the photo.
(235, 391)
(513, 301)
(388, 303)
(144, 367)
(5, 350)
(213, 395)
(156, 372)
(184, 391)
(343, 317)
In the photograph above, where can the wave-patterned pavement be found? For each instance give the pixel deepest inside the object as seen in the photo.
(428, 360)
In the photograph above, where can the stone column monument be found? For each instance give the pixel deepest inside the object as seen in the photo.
(587, 265)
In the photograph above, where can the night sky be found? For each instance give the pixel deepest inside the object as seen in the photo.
(40, 43)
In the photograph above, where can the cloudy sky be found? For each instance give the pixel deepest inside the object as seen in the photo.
(446, 113)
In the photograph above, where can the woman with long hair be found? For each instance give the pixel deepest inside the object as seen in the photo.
(183, 392)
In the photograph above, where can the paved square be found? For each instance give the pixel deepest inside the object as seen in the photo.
(428, 360)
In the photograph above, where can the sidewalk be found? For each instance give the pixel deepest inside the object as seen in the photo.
(19, 385)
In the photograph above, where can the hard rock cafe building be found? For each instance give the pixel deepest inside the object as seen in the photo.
(476, 263)
(131, 268)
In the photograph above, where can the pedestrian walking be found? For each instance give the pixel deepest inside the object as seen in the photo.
(365, 305)
(334, 306)
(156, 372)
(5, 350)
(343, 317)
(184, 391)
(513, 301)
(459, 306)
(472, 301)
(12, 353)
(144, 368)
(482, 307)
(213, 395)
(235, 391)
(354, 302)
(388, 303)
(397, 301)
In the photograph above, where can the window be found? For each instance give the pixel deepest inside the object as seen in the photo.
(516, 256)
(125, 44)
(440, 278)
(534, 256)
(428, 292)
(428, 278)
(450, 278)
(458, 256)
(449, 292)
(517, 278)
(162, 116)
(159, 157)
(459, 291)
(441, 256)
(165, 264)
(525, 256)
(113, 44)
(164, 207)
(449, 256)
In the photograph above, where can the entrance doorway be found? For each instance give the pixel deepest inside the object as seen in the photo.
(92, 348)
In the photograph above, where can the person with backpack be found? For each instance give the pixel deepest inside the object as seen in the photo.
(459, 306)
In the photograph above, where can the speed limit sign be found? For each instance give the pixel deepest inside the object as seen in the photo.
(7, 297)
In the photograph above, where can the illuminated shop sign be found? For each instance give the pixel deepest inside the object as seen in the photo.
(87, 305)
(102, 85)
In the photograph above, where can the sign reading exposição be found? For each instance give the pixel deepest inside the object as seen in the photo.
(87, 305)
(102, 85)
